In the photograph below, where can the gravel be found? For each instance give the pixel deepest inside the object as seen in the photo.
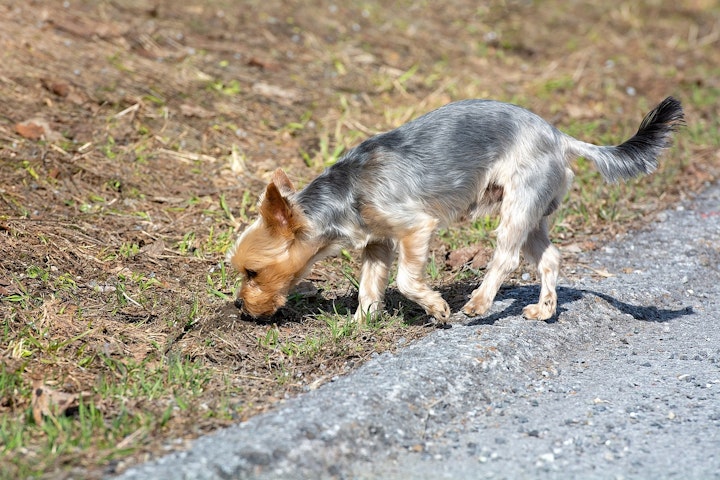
(625, 383)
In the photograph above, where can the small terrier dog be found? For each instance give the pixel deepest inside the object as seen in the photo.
(390, 193)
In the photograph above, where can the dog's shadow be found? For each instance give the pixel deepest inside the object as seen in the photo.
(520, 296)
(509, 302)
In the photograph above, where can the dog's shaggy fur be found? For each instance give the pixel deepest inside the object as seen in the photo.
(390, 193)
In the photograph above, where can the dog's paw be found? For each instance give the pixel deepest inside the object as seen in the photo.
(475, 308)
(440, 311)
(539, 311)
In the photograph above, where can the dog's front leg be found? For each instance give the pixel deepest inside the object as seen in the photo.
(376, 261)
(414, 248)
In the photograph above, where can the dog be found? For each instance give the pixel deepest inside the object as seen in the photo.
(394, 190)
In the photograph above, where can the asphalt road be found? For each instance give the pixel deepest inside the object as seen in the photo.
(625, 383)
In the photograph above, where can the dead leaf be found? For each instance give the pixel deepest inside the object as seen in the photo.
(4, 282)
(36, 129)
(571, 248)
(602, 272)
(457, 258)
(154, 249)
(481, 259)
(58, 87)
(30, 130)
(50, 403)
(585, 246)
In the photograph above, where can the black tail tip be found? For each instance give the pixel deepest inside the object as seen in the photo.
(670, 112)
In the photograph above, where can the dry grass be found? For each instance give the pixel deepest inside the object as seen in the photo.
(157, 128)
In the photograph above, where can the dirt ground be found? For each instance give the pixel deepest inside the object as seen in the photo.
(135, 137)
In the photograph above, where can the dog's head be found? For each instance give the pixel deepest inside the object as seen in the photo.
(271, 254)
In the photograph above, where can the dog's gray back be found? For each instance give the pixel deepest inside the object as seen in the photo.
(440, 162)
(454, 153)
(460, 159)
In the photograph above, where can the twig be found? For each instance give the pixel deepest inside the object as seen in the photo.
(127, 297)
(132, 108)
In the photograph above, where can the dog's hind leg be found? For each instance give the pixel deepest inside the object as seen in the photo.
(511, 235)
(519, 215)
(376, 261)
(414, 247)
(539, 251)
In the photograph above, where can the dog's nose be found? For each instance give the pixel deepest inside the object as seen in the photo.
(239, 303)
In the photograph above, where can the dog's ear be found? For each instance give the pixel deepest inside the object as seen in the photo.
(276, 211)
(282, 182)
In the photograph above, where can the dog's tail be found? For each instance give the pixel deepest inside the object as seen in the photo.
(639, 155)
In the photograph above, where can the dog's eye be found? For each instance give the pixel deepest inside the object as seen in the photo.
(250, 274)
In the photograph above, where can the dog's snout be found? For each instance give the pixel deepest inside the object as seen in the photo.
(238, 303)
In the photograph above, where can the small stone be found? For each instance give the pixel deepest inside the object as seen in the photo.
(59, 88)
(547, 457)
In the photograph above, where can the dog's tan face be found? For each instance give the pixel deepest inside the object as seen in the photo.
(269, 254)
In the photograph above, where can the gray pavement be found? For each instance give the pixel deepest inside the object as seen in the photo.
(624, 384)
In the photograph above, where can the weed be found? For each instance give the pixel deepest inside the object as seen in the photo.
(144, 283)
(154, 99)
(348, 272)
(216, 242)
(246, 205)
(270, 340)
(19, 349)
(109, 148)
(193, 314)
(551, 87)
(329, 155)
(34, 271)
(114, 184)
(217, 281)
(479, 231)
(23, 299)
(128, 250)
(433, 269)
(294, 127)
(226, 88)
(30, 170)
(340, 326)
(187, 244)
(226, 209)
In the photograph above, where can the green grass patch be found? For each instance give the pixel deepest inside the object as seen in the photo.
(129, 402)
